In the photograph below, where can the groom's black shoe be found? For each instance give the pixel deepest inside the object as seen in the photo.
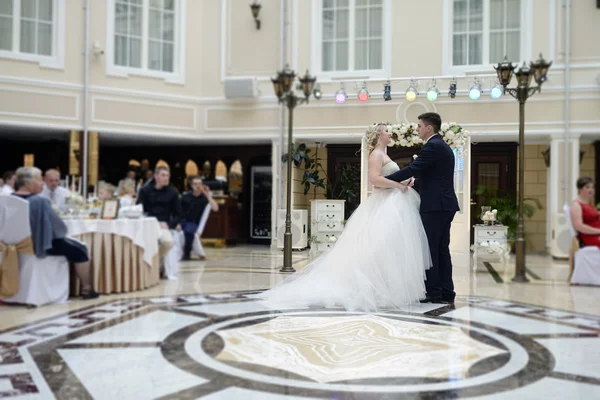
(447, 300)
(431, 300)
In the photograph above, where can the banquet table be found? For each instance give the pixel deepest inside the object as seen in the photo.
(124, 252)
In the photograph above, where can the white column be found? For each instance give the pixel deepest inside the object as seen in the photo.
(574, 166)
(276, 171)
(550, 184)
(553, 205)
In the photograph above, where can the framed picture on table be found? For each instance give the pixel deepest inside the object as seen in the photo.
(110, 209)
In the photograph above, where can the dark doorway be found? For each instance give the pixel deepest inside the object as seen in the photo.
(493, 165)
(343, 171)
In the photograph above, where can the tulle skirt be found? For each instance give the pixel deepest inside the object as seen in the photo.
(378, 262)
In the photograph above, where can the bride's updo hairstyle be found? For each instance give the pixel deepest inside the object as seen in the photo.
(372, 135)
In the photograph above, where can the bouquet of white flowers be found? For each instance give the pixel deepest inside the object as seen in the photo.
(489, 216)
(405, 135)
(74, 202)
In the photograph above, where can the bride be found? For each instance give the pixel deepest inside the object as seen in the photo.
(380, 259)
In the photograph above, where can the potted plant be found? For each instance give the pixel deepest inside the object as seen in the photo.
(508, 208)
(312, 167)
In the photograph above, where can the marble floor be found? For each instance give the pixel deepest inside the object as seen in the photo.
(206, 336)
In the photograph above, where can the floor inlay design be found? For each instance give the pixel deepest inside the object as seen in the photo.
(229, 345)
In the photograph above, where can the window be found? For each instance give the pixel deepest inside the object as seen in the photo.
(31, 30)
(483, 32)
(147, 38)
(352, 36)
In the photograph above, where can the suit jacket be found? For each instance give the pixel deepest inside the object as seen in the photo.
(434, 169)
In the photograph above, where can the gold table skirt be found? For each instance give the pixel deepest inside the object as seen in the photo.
(118, 265)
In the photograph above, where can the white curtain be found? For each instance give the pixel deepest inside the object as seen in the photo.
(505, 30)
(128, 33)
(161, 31)
(130, 40)
(368, 35)
(6, 25)
(467, 41)
(352, 25)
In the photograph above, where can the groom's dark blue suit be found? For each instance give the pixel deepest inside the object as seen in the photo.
(434, 173)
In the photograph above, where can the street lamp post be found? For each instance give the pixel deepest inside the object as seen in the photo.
(523, 91)
(283, 85)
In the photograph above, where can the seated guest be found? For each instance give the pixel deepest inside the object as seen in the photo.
(53, 191)
(193, 204)
(126, 193)
(131, 175)
(162, 202)
(9, 182)
(585, 217)
(106, 191)
(49, 232)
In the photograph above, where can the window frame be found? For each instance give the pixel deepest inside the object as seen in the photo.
(526, 34)
(178, 74)
(317, 46)
(54, 61)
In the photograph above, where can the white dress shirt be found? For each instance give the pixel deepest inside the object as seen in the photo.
(6, 189)
(56, 197)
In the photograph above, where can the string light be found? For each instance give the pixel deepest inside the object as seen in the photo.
(452, 90)
(433, 92)
(475, 92)
(497, 91)
(341, 96)
(363, 94)
(387, 91)
(411, 92)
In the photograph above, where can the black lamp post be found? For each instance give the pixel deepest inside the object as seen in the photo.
(283, 85)
(523, 91)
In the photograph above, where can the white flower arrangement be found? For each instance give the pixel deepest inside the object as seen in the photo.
(405, 135)
(74, 199)
(492, 247)
(489, 216)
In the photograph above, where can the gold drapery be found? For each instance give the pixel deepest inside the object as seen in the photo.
(9, 269)
(75, 153)
(28, 160)
(93, 157)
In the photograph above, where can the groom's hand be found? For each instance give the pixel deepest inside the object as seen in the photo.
(411, 182)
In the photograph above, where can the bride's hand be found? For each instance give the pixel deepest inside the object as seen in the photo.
(402, 187)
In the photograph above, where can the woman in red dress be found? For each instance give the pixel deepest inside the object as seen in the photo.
(584, 215)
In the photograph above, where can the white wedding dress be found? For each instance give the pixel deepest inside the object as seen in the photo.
(378, 262)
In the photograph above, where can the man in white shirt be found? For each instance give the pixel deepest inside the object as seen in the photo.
(52, 189)
(9, 183)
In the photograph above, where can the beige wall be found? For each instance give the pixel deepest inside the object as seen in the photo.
(221, 42)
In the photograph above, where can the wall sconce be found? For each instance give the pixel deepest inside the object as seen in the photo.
(255, 7)
(546, 155)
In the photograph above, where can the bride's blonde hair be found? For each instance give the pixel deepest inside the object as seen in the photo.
(372, 135)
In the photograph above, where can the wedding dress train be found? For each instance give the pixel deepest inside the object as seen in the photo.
(378, 262)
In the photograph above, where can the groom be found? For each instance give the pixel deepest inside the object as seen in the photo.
(434, 173)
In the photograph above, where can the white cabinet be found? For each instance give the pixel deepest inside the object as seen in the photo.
(487, 238)
(327, 223)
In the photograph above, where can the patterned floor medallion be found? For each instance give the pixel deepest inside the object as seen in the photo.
(228, 346)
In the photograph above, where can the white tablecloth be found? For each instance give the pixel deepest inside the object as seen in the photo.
(143, 232)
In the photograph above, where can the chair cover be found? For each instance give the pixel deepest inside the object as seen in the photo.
(41, 281)
(585, 262)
